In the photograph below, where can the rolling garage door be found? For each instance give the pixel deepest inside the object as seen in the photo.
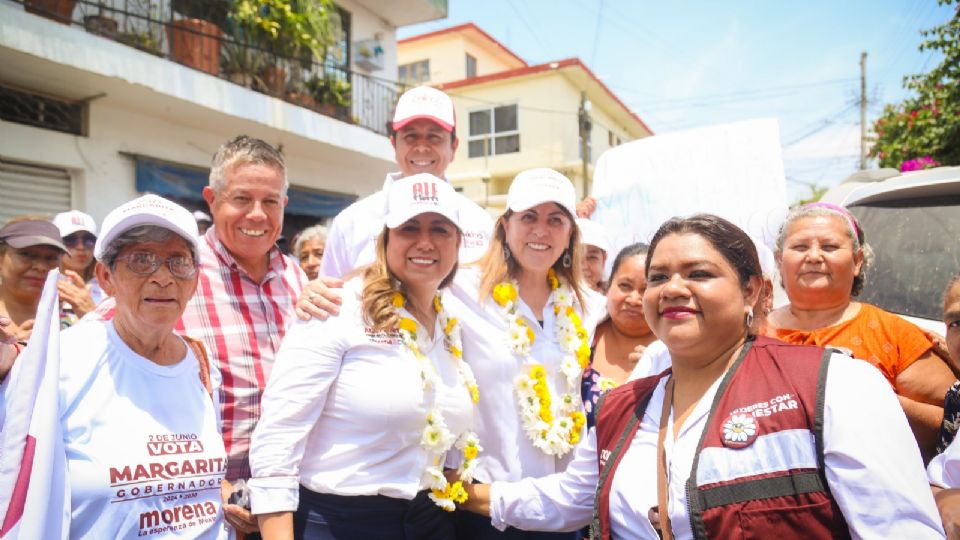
(31, 189)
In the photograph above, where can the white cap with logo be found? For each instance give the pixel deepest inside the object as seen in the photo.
(74, 221)
(537, 186)
(592, 234)
(424, 102)
(418, 194)
(147, 210)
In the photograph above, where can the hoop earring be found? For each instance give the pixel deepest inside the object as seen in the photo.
(567, 259)
(749, 319)
(506, 253)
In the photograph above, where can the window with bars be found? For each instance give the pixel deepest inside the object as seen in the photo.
(45, 112)
(414, 73)
(494, 131)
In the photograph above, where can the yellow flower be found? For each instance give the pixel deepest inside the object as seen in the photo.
(398, 300)
(504, 293)
(408, 324)
(579, 419)
(475, 393)
(574, 437)
(457, 493)
(436, 304)
(457, 353)
(552, 279)
(470, 452)
(537, 371)
(545, 414)
(530, 334)
(451, 324)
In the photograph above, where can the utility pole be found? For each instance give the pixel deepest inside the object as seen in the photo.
(584, 158)
(863, 111)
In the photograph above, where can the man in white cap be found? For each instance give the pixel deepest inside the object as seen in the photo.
(424, 137)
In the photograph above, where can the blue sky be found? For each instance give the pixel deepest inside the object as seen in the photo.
(686, 64)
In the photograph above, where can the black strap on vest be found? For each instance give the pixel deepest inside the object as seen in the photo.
(818, 416)
(765, 488)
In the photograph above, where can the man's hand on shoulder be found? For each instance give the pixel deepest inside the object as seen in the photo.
(320, 298)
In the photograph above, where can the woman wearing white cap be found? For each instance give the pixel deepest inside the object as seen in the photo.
(79, 290)
(144, 453)
(526, 335)
(595, 250)
(362, 409)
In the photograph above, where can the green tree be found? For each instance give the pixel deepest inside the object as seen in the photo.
(926, 124)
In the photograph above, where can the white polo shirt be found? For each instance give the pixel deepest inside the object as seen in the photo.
(874, 469)
(344, 410)
(352, 236)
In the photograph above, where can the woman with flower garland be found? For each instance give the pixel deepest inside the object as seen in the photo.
(743, 437)
(362, 409)
(526, 335)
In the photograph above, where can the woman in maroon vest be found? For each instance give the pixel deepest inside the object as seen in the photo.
(744, 437)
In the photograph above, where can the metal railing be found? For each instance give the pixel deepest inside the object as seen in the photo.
(154, 27)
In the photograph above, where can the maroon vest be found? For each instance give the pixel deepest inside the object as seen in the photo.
(768, 410)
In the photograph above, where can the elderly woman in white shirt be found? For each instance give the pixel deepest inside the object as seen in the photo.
(715, 445)
(362, 409)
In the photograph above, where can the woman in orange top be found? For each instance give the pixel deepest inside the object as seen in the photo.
(821, 254)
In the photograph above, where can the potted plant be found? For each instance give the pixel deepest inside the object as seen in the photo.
(55, 10)
(332, 94)
(241, 64)
(295, 31)
(143, 40)
(100, 24)
(195, 39)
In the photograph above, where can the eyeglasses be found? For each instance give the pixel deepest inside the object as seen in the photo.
(73, 240)
(145, 263)
(44, 259)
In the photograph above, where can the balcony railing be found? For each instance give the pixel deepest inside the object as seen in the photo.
(153, 27)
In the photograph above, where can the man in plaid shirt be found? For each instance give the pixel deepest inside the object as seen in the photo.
(247, 288)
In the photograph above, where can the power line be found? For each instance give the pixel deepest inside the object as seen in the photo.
(743, 94)
(529, 28)
(596, 33)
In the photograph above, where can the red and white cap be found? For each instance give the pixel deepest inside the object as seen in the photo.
(425, 102)
(74, 221)
(418, 194)
(148, 210)
(537, 186)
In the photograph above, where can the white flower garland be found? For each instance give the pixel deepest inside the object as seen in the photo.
(553, 429)
(436, 438)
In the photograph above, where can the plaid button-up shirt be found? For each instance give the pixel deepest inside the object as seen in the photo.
(241, 323)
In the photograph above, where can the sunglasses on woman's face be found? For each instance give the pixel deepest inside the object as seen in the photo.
(75, 239)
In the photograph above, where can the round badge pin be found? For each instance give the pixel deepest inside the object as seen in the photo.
(739, 430)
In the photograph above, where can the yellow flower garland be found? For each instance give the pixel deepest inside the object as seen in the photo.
(436, 438)
(552, 429)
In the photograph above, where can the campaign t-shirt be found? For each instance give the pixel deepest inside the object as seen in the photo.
(145, 457)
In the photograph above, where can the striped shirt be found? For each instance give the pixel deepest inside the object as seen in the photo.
(241, 323)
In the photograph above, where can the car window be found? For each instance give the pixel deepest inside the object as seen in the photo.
(916, 248)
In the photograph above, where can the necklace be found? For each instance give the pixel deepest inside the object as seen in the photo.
(553, 426)
(436, 438)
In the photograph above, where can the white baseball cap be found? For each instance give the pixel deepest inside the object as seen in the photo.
(147, 210)
(537, 186)
(425, 102)
(418, 194)
(592, 234)
(74, 221)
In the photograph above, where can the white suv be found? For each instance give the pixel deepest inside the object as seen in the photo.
(912, 222)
